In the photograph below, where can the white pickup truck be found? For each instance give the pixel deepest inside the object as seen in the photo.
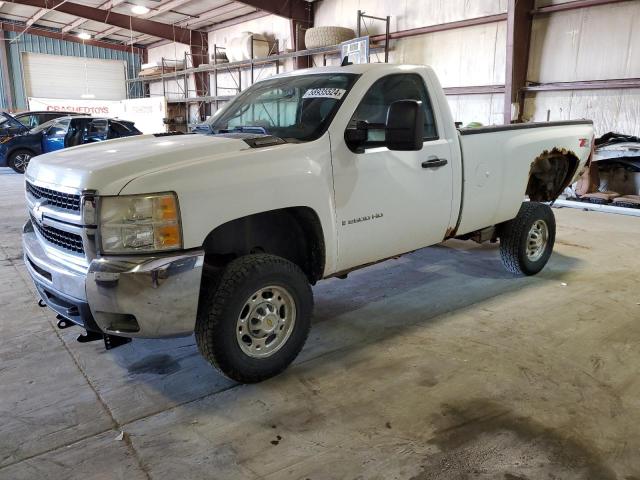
(303, 176)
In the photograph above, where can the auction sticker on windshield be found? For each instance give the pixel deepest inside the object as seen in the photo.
(335, 93)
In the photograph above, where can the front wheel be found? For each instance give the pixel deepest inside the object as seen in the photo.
(19, 160)
(526, 242)
(254, 320)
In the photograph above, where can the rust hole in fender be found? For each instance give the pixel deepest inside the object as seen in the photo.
(550, 174)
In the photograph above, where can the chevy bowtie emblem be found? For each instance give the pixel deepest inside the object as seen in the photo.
(37, 210)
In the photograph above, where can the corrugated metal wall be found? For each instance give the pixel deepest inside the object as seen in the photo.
(37, 44)
(3, 100)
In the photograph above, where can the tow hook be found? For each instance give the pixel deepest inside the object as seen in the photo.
(110, 341)
(113, 341)
(63, 322)
(89, 336)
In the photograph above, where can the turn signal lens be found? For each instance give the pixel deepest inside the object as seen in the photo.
(168, 236)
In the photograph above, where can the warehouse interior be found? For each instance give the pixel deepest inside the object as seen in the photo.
(420, 363)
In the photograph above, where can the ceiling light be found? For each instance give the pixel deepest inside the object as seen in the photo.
(139, 9)
(87, 96)
(84, 36)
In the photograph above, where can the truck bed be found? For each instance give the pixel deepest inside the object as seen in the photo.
(497, 161)
(521, 126)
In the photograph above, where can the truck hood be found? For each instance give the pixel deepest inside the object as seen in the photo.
(108, 166)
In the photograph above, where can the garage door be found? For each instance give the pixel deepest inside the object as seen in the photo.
(54, 76)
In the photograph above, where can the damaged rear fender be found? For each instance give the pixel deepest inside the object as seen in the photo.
(550, 174)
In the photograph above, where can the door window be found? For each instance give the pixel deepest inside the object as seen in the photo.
(98, 128)
(28, 121)
(374, 106)
(45, 117)
(58, 129)
(117, 130)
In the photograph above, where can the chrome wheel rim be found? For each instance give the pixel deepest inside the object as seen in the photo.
(266, 321)
(537, 240)
(21, 161)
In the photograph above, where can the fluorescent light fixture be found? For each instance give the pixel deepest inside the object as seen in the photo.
(87, 96)
(84, 36)
(139, 9)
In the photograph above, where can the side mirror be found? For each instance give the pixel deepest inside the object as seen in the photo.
(404, 129)
(357, 136)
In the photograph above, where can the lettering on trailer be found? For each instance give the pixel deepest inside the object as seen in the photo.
(79, 109)
(366, 218)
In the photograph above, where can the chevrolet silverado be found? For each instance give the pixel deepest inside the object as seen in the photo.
(303, 176)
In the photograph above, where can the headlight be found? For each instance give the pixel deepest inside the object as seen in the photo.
(139, 223)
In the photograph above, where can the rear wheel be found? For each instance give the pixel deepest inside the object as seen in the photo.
(526, 242)
(19, 160)
(256, 320)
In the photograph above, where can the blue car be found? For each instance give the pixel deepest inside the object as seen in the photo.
(17, 151)
(11, 125)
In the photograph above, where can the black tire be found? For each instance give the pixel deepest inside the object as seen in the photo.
(221, 306)
(16, 163)
(515, 238)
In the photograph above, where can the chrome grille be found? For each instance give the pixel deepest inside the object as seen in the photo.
(66, 240)
(68, 201)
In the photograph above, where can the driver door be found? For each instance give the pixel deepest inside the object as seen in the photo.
(390, 202)
(53, 137)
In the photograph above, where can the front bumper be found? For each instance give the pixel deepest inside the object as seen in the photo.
(150, 297)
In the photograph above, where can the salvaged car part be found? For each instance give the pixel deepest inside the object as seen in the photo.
(317, 37)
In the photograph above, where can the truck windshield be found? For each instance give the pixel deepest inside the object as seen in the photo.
(295, 108)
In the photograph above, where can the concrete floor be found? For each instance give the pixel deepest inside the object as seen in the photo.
(436, 366)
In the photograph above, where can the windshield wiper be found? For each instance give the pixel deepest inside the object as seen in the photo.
(244, 129)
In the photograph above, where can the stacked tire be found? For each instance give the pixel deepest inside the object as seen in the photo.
(317, 37)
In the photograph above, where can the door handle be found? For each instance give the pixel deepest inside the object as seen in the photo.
(434, 163)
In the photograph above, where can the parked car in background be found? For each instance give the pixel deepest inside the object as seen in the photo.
(11, 125)
(17, 151)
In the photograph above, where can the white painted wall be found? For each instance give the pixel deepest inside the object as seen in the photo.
(404, 13)
(271, 26)
(462, 57)
(587, 44)
(174, 88)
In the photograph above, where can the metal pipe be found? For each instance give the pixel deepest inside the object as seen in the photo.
(386, 40)
(500, 17)
(474, 90)
(563, 7)
(584, 85)
(635, 212)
